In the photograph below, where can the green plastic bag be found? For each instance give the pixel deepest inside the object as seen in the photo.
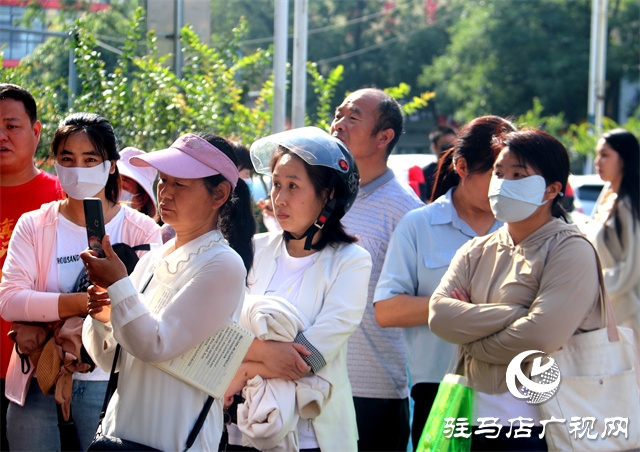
(454, 400)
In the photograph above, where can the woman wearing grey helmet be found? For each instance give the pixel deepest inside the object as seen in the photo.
(311, 280)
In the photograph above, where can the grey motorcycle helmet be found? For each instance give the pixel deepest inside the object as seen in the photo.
(315, 147)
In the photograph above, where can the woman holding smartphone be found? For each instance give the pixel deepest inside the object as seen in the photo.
(200, 274)
(41, 275)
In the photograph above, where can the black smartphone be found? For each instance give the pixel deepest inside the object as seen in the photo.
(95, 224)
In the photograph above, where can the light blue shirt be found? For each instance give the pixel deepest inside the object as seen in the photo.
(420, 251)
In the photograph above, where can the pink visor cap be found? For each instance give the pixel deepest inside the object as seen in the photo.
(190, 157)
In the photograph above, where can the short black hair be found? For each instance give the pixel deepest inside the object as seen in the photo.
(15, 92)
(390, 118)
(439, 131)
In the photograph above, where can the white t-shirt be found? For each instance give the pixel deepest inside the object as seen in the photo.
(286, 283)
(71, 240)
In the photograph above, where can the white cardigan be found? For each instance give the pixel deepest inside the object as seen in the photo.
(334, 294)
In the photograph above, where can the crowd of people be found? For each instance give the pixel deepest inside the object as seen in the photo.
(360, 297)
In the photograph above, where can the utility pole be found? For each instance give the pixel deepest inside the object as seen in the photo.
(597, 70)
(179, 22)
(281, 30)
(300, 33)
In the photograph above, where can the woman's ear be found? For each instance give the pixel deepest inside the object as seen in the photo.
(113, 167)
(333, 192)
(552, 191)
(221, 193)
(461, 168)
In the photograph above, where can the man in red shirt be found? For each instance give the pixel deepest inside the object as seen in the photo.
(23, 188)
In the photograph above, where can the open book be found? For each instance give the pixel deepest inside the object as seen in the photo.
(211, 365)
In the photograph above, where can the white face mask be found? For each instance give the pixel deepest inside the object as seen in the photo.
(516, 200)
(80, 183)
(127, 197)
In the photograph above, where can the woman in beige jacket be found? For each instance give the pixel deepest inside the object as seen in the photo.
(517, 289)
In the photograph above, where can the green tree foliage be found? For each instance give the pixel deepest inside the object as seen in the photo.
(504, 53)
(221, 90)
(378, 43)
(579, 139)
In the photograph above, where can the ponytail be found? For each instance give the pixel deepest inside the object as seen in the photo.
(235, 217)
(474, 144)
(446, 176)
(237, 223)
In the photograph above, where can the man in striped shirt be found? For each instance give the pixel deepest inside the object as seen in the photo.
(370, 123)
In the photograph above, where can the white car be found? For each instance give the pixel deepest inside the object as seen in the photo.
(586, 189)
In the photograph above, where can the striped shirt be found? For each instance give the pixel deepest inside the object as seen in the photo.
(376, 357)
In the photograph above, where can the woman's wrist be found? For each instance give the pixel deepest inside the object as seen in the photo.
(72, 304)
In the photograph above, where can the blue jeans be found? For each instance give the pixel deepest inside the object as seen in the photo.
(34, 426)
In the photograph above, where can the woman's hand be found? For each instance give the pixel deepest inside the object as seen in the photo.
(265, 206)
(99, 304)
(285, 361)
(460, 294)
(104, 271)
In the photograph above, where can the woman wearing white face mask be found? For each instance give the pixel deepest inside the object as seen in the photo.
(40, 277)
(514, 290)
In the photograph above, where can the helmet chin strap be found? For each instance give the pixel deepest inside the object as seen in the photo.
(322, 219)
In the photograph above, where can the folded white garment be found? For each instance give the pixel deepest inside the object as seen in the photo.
(268, 418)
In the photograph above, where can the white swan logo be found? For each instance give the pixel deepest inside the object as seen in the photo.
(544, 382)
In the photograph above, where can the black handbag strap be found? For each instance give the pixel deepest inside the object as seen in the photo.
(113, 384)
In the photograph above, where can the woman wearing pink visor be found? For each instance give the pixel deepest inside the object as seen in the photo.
(201, 272)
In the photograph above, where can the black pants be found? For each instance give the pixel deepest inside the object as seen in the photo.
(383, 424)
(423, 395)
(4, 404)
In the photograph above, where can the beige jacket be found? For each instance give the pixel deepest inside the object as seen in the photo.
(530, 296)
(620, 257)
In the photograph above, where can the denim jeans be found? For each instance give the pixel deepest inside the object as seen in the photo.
(34, 426)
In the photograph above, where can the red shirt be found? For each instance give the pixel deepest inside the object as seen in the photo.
(14, 201)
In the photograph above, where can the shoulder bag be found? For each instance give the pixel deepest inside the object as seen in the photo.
(598, 395)
(112, 443)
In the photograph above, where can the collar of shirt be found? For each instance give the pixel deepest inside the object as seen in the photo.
(366, 190)
(443, 212)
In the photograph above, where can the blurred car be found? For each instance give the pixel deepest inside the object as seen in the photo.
(586, 189)
(401, 164)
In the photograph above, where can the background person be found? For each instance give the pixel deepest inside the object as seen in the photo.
(615, 230)
(369, 122)
(40, 275)
(137, 183)
(320, 271)
(441, 138)
(421, 249)
(23, 187)
(202, 270)
(509, 291)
